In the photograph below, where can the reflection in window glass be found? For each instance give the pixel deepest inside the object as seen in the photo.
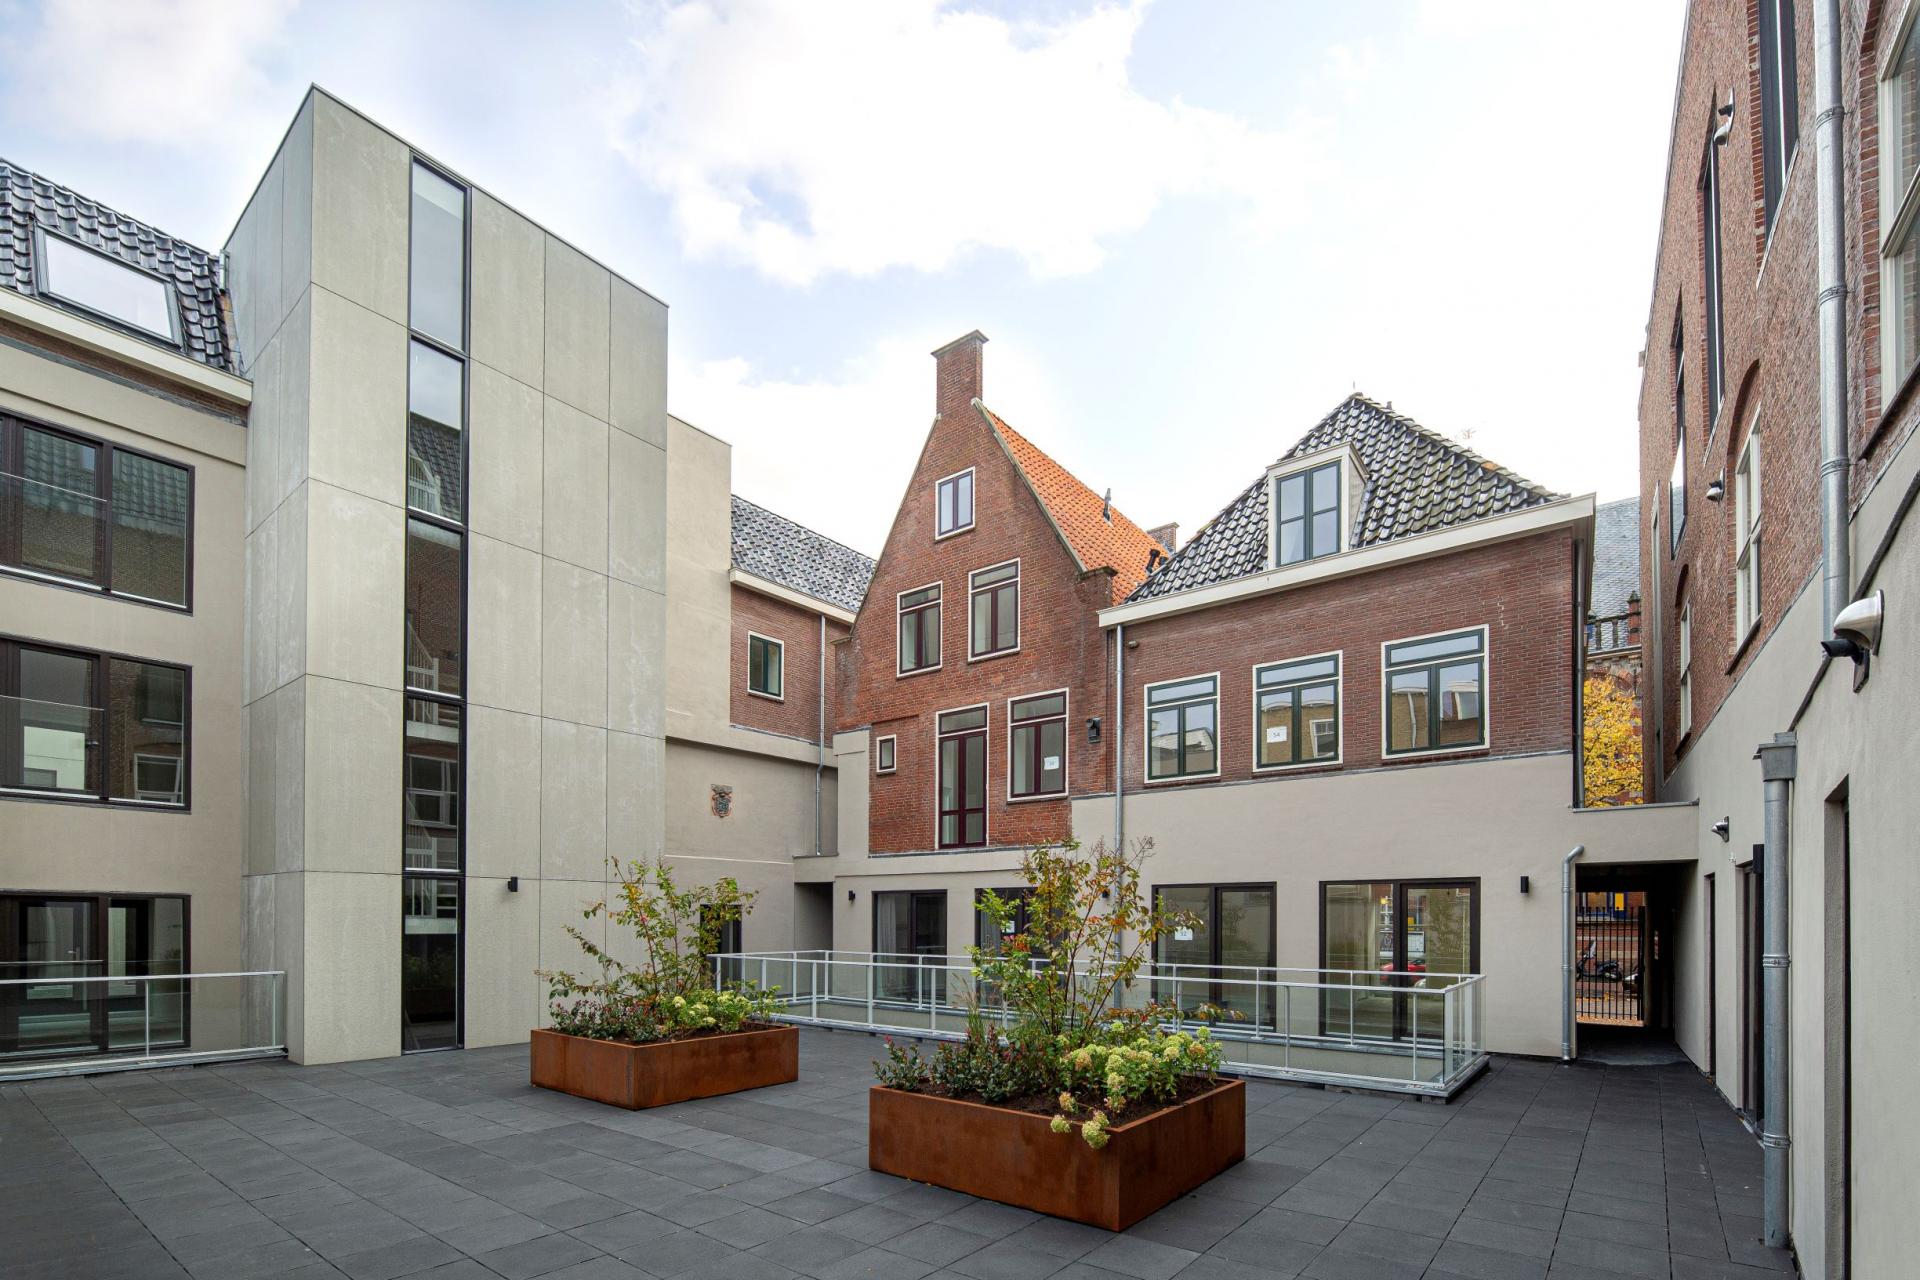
(765, 659)
(431, 803)
(438, 255)
(433, 608)
(1182, 720)
(435, 396)
(150, 500)
(108, 286)
(60, 509)
(429, 963)
(147, 732)
(52, 728)
(1436, 693)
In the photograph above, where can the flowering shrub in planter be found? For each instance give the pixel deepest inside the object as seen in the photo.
(990, 1114)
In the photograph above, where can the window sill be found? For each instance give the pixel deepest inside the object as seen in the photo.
(1390, 757)
(1183, 778)
(954, 533)
(770, 697)
(1049, 795)
(68, 797)
(1261, 770)
(917, 671)
(1746, 643)
(89, 588)
(989, 657)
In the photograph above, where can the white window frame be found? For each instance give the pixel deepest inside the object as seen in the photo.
(1146, 731)
(1899, 210)
(43, 286)
(1339, 710)
(986, 762)
(1066, 744)
(1746, 525)
(973, 495)
(890, 740)
(939, 631)
(176, 797)
(1018, 603)
(1686, 671)
(1387, 754)
(781, 647)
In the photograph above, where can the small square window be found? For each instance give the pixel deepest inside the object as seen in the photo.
(953, 501)
(765, 666)
(884, 752)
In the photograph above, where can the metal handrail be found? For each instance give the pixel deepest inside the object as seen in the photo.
(134, 977)
(195, 1026)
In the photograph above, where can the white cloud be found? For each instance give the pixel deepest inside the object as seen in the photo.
(175, 72)
(808, 139)
(836, 453)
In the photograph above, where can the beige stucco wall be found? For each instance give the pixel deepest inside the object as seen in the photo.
(567, 612)
(89, 848)
(1861, 745)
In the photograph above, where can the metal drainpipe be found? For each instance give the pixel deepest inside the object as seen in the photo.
(820, 741)
(1566, 951)
(1119, 736)
(1777, 767)
(1837, 575)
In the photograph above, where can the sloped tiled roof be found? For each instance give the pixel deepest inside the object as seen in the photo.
(773, 547)
(1100, 541)
(1417, 481)
(1616, 556)
(27, 199)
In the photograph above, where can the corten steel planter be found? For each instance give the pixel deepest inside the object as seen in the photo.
(1015, 1158)
(651, 1075)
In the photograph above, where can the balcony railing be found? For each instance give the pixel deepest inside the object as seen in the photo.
(61, 532)
(1419, 1033)
(58, 746)
(68, 1019)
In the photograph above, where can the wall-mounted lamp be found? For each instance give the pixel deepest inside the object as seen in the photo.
(1723, 829)
(1526, 884)
(513, 884)
(1716, 489)
(850, 895)
(1093, 728)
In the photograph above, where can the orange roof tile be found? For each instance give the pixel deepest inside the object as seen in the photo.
(1099, 542)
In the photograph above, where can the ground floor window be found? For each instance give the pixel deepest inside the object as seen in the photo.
(1221, 960)
(57, 941)
(430, 963)
(986, 935)
(1384, 939)
(909, 935)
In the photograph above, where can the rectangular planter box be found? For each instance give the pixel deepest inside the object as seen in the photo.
(1015, 1158)
(651, 1075)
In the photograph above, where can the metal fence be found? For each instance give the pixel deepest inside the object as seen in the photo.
(1421, 1033)
(1610, 948)
(72, 1024)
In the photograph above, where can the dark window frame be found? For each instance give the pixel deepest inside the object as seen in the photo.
(102, 906)
(101, 752)
(1778, 103)
(1310, 550)
(1677, 481)
(901, 610)
(886, 753)
(939, 488)
(994, 594)
(1714, 301)
(1215, 990)
(960, 813)
(13, 429)
(1433, 666)
(1397, 908)
(1037, 754)
(1183, 705)
(43, 288)
(1293, 687)
(778, 693)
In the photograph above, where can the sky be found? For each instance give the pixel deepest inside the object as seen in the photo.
(1188, 228)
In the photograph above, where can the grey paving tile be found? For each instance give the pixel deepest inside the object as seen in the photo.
(1140, 1257)
(1008, 1260)
(874, 1264)
(1457, 1258)
(808, 1250)
(538, 1256)
(938, 1243)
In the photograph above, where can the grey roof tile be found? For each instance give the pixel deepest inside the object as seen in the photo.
(1417, 482)
(1616, 556)
(27, 199)
(773, 547)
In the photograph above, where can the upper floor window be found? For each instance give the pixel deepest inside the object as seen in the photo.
(1779, 101)
(1677, 482)
(1899, 154)
(1037, 746)
(962, 794)
(919, 630)
(91, 513)
(953, 499)
(107, 286)
(1183, 722)
(1710, 264)
(1435, 688)
(92, 726)
(1307, 514)
(1686, 670)
(886, 754)
(1746, 521)
(993, 606)
(1296, 712)
(766, 659)
(438, 258)
(436, 404)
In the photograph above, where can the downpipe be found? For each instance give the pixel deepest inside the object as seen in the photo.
(1836, 588)
(1566, 951)
(1777, 769)
(1119, 737)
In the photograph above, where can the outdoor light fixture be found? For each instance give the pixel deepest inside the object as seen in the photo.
(1723, 829)
(1716, 489)
(1093, 728)
(850, 895)
(1526, 884)
(1856, 634)
(513, 884)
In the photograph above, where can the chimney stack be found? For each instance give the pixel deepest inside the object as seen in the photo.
(957, 380)
(1166, 535)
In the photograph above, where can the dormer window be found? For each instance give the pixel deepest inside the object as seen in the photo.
(105, 286)
(1307, 514)
(953, 503)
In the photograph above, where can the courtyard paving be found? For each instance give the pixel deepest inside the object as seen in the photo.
(451, 1166)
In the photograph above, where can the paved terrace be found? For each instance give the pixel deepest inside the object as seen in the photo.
(451, 1166)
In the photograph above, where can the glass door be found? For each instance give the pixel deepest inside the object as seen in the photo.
(146, 938)
(1216, 961)
(909, 929)
(47, 940)
(1358, 954)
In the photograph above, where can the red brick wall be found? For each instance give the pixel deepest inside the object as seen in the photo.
(798, 716)
(1522, 591)
(1060, 642)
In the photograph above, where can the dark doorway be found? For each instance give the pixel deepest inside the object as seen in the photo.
(909, 932)
(1220, 959)
(1713, 976)
(1752, 944)
(1626, 922)
(116, 943)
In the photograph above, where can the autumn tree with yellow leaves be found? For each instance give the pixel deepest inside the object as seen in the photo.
(1612, 743)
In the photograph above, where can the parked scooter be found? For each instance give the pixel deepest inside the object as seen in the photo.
(1591, 966)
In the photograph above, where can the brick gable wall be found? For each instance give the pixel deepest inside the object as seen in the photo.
(798, 714)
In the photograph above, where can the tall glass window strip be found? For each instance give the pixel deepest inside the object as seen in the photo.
(1899, 213)
(92, 726)
(993, 606)
(1435, 692)
(1308, 514)
(1686, 670)
(1710, 258)
(962, 744)
(1037, 746)
(1296, 712)
(1746, 519)
(919, 629)
(1779, 100)
(1677, 481)
(433, 851)
(95, 514)
(1183, 718)
(953, 503)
